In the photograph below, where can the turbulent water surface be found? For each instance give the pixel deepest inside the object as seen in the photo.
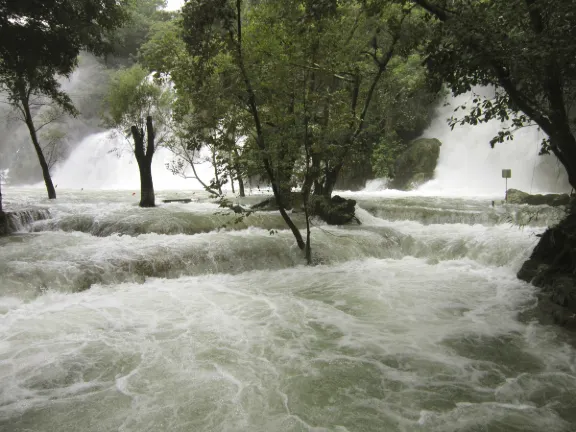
(187, 318)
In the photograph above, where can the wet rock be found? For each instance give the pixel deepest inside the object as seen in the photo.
(236, 208)
(416, 165)
(515, 196)
(3, 224)
(21, 220)
(334, 211)
(294, 202)
(552, 268)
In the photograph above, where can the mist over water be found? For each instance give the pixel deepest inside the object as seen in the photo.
(468, 166)
(105, 161)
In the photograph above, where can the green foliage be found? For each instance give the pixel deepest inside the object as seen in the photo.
(40, 40)
(526, 50)
(143, 15)
(133, 96)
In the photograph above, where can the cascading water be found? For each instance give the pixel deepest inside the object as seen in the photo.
(114, 317)
(469, 166)
(104, 161)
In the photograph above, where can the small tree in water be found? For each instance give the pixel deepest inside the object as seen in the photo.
(134, 103)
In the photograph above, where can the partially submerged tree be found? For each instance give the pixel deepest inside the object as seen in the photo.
(526, 50)
(135, 102)
(300, 80)
(40, 41)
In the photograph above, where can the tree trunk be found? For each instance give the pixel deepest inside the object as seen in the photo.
(3, 218)
(231, 181)
(144, 159)
(43, 164)
(238, 173)
(147, 197)
(330, 181)
(241, 186)
(216, 176)
(564, 147)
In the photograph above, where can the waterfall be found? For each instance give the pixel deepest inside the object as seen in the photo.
(468, 165)
(96, 164)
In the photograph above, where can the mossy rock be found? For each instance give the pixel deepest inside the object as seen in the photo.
(416, 165)
(515, 196)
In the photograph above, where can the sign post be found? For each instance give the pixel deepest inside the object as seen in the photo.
(506, 173)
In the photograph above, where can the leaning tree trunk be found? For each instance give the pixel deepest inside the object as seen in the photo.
(144, 159)
(43, 164)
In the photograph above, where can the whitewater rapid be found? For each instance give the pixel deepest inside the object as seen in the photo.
(182, 318)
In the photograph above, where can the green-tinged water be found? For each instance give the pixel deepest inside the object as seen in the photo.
(115, 318)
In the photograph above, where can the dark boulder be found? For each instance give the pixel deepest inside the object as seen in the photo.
(3, 223)
(515, 196)
(416, 165)
(293, 202)
(334, 211)
(552, 268)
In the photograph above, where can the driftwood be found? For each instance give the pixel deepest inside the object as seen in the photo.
(183, 200)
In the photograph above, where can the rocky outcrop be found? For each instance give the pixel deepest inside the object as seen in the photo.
(295, 203)
(416, 165)
(3, 223)
(552, 268)
(515, 196)
(21, 220)
(334, 211)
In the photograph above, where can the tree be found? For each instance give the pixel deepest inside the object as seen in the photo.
(300, 80)
(215, 28)
(134, 99)
(526, 50)
(40, 41)
(211, 124)
(143, 15)
(306, 72)
(3, 218)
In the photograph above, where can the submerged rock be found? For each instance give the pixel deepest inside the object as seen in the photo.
(416, 164)
(552, 268)
(515, 196)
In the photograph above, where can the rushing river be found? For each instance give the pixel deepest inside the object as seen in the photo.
(184, 318)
